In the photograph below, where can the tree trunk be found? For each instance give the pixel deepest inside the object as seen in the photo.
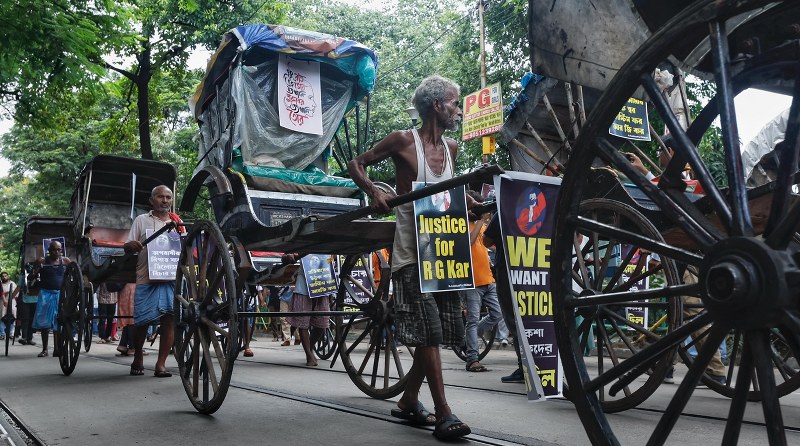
(143, 100)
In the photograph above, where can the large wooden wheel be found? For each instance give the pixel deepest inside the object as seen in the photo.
(367, 344)
(782, 352)
(609, 332)
(743, 252)
(70, 318)
(206, 327)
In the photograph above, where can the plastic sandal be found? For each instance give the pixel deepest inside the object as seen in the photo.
(417, 416)
(450, 427)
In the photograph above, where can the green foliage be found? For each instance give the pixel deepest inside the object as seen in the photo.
(50, 45)
(414, 39)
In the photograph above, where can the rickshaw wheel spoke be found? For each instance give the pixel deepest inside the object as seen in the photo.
(367, 343)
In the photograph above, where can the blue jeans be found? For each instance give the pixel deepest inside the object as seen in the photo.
(723, 349)
(502, 330)
(483, 295)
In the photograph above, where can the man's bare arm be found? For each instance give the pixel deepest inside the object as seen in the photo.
(357, 167)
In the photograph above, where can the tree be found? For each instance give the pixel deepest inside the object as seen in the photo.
(49, 45)
(413, 39)
(166, 30)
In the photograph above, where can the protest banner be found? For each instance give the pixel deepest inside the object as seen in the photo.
(526, 207)
(163, 254)
(443, 248)
(299, 105)
(361, 273)
(631, 122)
(319, 275)
(637, 265)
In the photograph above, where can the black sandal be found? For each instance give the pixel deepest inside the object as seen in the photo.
(417, 416)
(450, 427)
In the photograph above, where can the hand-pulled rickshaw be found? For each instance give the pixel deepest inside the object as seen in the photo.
(38, 232)
(269, 192)
(740, 241)
(109, 193)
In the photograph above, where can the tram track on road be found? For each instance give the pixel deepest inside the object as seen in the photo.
(13, 431)
(712, 418)
(479, 438)
(723, 420)
(482, 437)
(343, 372)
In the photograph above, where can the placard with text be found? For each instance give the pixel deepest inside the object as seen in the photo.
(163, 254)
(526, 207)
(631, 122)
(443, 248)
(299, 95)
(319, 275)
(360, 273)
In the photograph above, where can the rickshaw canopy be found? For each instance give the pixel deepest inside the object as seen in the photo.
(39, 228)
(237, 104)
(118, 181)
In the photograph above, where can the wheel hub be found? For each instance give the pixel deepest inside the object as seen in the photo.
(733, 281)
(743, 282)
(192, 313)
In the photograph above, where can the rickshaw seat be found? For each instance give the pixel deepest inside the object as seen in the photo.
(310, 181)
(108, 237)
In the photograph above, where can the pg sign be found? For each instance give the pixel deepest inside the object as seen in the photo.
(483, 112)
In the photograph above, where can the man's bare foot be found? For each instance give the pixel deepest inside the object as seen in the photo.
(311, 363)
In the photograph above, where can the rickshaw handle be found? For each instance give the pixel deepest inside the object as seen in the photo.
(483, 172)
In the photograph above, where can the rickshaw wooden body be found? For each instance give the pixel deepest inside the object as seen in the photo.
(109, 193)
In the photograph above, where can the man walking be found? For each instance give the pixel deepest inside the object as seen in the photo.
(153, 298)
(483, 295)
(423, 320)
(51, 274)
